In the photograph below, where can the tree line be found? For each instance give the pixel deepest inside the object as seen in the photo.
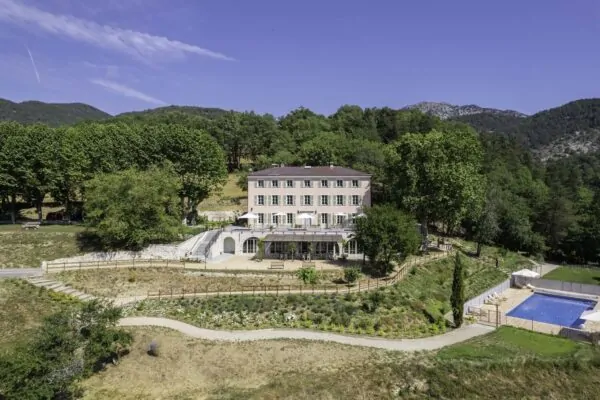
(484, 186)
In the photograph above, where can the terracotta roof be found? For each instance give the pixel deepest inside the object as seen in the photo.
(308, 171)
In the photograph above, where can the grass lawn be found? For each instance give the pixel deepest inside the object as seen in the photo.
(508, 342)
(414, 307)
(231, 198)
(284, 369)
(27, 249)
(23, 306)
(574, 274)
(138, 281)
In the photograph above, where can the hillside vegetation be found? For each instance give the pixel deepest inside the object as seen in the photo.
(52, 114)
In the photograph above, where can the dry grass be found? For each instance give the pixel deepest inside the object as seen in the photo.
(22, 308)
(193, 369)
(231, 198)
(138, 281)
(27, 249)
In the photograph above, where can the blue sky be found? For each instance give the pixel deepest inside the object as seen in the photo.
(275, 55)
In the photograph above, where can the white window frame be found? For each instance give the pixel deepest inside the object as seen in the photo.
(289, 183)
(275, 184)
(261, 218)
(289, 219)
(275, 200)
(307, 183)
(339, 219)
(324, 183)
(260, 200)
(357, 198)
(324, 219)
(309, 197)
(289, 197)
(260, 183)
(326, 198)
(338, 197)
(355, 183)
(339, 183)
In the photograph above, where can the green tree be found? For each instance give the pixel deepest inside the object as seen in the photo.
(69, 346)
(437, 175)
(132, 208)
(386, 235)
(487, 227)
(457, 299)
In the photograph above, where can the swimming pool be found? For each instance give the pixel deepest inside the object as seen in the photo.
(551, 309)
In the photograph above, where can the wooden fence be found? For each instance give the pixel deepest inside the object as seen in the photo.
(359, 286)
(53, 266)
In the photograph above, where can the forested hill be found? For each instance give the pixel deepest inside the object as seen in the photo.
(206, 112)
(573, 127)
(53, 114)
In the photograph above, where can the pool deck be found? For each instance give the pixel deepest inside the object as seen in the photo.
(512, 297)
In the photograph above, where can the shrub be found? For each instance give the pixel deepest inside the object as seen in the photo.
(308, 275)
(351, 275)
(153, 348)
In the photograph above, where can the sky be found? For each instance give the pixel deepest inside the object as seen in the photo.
(272, 56)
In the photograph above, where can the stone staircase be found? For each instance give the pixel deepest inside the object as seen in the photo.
(56, 286)
(200, 249)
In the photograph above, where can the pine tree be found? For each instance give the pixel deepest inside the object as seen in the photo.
(457, 299)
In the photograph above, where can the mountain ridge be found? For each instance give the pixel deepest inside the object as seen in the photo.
(445, 110)
(52, 114)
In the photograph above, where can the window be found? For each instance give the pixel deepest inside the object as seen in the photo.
(306, 183)
(260, 200)
(355, 200)
(250, 246)
(324, 183)
(325, 200)
(275, 200)
(352, 247)
(261, 218)
(289, 200)
(290, 219)
(324, 219)
(275, 219)
(355, 184)
(339, 200)
(339, 183)
(260, 184)
(289, 183)
(307, 200)
(275, 184)
(339, 219)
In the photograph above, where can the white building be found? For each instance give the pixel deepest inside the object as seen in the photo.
(299, 210)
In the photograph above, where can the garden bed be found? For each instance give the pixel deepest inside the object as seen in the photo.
(413, 307)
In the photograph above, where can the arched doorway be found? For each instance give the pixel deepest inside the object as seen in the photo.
(250, 246)
(229, 245)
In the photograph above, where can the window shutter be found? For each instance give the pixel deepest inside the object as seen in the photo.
(301, 200)
(255, 184)
(293, 200)
(350, 200)
(255, 200)
(319, 199)
(268, 201)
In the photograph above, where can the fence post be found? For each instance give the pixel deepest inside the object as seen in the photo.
(171, 291)
(183, 293)
(230, 290)
(133, 262)
(159, 294)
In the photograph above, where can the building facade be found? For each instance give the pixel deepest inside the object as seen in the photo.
(330, 196)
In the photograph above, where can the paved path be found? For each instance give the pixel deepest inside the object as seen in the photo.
(20, 272)
(430, 343)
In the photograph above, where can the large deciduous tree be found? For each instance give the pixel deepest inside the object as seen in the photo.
(437, 175)
(385, 235)
(133, 208)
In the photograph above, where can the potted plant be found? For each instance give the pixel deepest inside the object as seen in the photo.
(292, 249)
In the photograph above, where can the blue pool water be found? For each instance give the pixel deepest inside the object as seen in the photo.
(557, 310)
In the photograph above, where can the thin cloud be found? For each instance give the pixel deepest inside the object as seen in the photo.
(127, 91)
(37, 74)
(136, 44)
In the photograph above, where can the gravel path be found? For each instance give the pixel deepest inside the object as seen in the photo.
(430, 343)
